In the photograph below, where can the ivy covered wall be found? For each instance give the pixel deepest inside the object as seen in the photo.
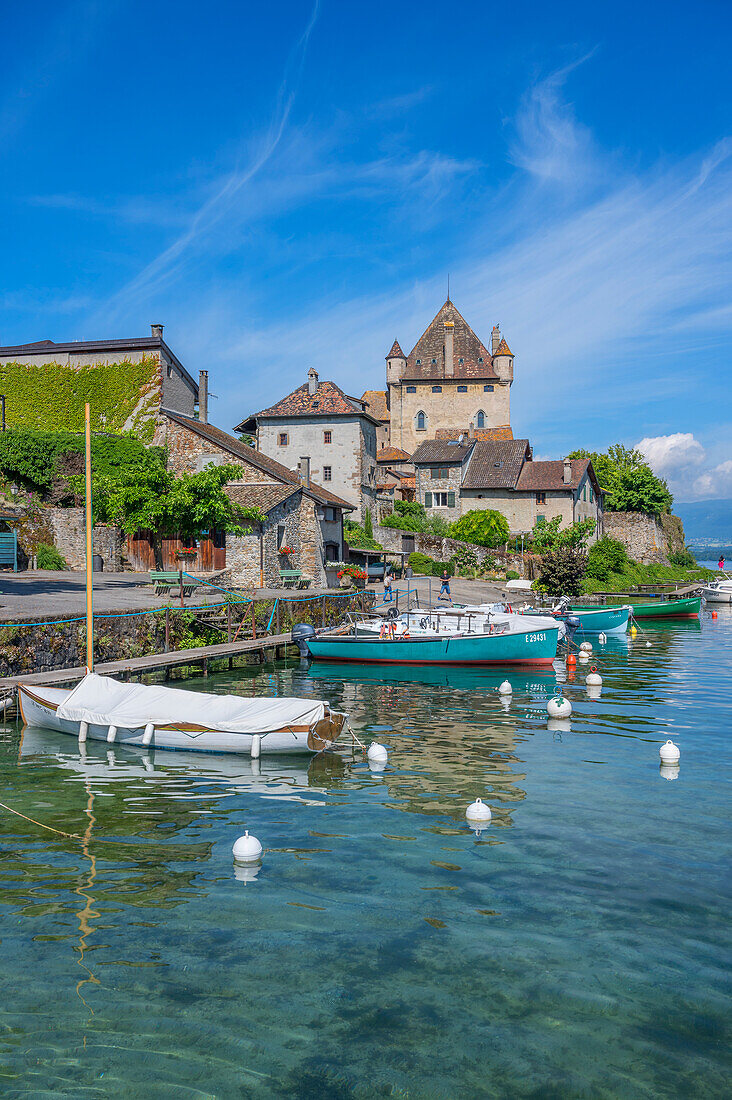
(123, 396)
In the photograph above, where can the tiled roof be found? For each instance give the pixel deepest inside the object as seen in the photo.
(409, 483)
(392, 454)
(496, 465)
(550, 475)
(255, 458)
(440, 450)
(396, 352)
(502, 431)
(376, 401)
(328, 400)
(466, 346)
(263, 496)
(503, 349)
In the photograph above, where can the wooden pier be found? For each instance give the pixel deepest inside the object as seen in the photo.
(135, 666)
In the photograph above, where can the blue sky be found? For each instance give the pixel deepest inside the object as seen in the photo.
(289, 185)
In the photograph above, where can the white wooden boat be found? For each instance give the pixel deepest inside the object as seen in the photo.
(104, 709)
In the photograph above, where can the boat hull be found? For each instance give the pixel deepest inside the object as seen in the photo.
(718, 595)
(660, 609)
(530, 647)
(604, 620)
(38, 708)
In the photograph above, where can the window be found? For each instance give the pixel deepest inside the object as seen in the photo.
(541, 498)
(418, 362)
(280, 535)
(421, 422)
(327, 437)
(461, 360)
(487, 389)
(439, 472)
(541, 519)
(327, 473)
(480, 420)
(329, 515)
(437, 389)
(439, 500)
(584, 492)
(282, 439)
(434, 361)
(480, 358)
(412, 389)
(462, 389)
(331, 551)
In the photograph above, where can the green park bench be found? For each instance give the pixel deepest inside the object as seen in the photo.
(166, 579)
(293, 578)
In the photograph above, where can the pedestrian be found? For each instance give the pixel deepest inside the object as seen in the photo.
(720, 564)
(445, 586)
(388, 596)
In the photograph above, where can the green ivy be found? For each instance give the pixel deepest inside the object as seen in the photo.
(35, 457)
(53, 395)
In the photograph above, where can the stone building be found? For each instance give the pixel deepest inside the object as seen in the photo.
(336, 434)
(302, 517)
(454, 477)
(449, 378)
(126, 382)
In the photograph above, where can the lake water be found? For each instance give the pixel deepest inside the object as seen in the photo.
(577, 947)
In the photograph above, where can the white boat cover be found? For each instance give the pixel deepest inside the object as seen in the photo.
(102, 701)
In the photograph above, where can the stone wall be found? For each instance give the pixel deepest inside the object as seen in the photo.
(646, 539)
(442, 549)
(69, 537)
(292, 523)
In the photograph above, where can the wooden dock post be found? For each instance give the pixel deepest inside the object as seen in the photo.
(167, 630)
(228, 623)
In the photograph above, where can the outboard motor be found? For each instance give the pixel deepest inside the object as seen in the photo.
(572, 624)
(301, 632)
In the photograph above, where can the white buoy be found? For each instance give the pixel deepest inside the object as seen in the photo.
(559, 707)
(593, 677)
(669, 771)
(648, 645)
(247, 849)
(377, 753)
(478, 811)
(505, 688)
(583, 657)
(602, 638)
(669, 753)
(586, 647)
(256, 746)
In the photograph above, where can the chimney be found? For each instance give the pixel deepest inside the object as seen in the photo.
(157, 330)
(304, 468)
(203, 396)
(567, 475)
(471, 430)
(495, 339)
(449, 362)
(312, 381)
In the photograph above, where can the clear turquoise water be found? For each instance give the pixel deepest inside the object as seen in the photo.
(577, 948)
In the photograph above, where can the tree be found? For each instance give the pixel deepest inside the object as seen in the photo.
(408, 515)
(627, 480)
(368, 525)
(562, 571)
(482, 527)
(148, 497)
(547, 536)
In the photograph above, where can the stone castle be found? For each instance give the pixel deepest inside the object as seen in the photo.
(449, 383)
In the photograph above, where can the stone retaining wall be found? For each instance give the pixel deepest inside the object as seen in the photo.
(69, 536)
(647, 540)
(442, 549)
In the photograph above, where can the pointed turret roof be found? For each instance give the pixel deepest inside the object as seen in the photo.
(471, 358)
(396, 352)
(503, 349)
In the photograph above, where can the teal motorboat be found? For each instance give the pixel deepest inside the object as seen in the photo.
(514, 645)
(601, 620)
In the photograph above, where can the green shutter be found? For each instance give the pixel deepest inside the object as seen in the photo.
(450, 500)
(428, 500)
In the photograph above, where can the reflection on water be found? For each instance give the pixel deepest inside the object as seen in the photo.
(573, 947)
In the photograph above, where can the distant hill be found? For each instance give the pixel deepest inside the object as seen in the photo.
(706, 522)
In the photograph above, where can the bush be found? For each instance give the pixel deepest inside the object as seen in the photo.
(684, 559)
(48, 557)
(547, 536)
(482, 527)
(357, 537)
(512, 575)
(439, 567)
(562, 571)
(421, 563)
(464, 561)
(606, 556)
(368, 526)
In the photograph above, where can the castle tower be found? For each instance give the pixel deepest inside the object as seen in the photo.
(396, 361)
(503, 360)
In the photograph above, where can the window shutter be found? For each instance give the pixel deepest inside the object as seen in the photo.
(450, 500)
(428, 500)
